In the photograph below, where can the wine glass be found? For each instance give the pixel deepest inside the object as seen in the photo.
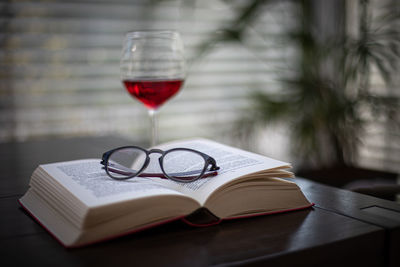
(152, 69)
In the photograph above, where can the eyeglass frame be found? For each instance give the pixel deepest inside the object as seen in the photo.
(208, 161)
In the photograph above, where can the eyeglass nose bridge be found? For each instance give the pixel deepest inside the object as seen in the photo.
(151, 151)
(155, 150)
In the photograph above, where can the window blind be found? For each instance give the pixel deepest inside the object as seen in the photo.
(60, 71)
(60, 67)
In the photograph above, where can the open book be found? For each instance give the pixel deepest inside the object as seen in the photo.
(79, 204)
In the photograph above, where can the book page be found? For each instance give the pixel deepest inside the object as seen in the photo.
(233, 163)
(89, 182)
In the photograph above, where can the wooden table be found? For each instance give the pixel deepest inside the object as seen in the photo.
(343, 229)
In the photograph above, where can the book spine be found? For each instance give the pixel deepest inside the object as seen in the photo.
(201, 217)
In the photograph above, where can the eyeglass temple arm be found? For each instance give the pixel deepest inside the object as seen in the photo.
(127, 171)
(161, 175)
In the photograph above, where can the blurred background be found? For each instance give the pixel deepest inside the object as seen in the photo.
(315, 83)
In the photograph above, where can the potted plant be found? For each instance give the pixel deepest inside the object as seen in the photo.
(325, 102)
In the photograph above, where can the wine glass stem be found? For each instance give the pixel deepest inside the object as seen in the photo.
(154, 126)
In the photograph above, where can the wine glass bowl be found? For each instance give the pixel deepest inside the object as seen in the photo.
(152, 68)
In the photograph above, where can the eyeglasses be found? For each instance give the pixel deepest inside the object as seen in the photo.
(178, 164)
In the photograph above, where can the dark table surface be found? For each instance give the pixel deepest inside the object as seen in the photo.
(343, 228)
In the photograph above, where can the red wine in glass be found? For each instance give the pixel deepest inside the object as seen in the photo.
(153, 93)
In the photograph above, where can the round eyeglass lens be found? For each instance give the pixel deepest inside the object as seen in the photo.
(126, 162)
(183, 165)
